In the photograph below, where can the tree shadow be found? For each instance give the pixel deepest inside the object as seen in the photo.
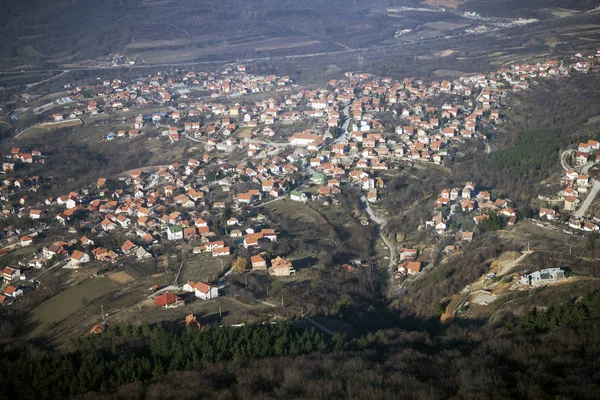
(305, 262)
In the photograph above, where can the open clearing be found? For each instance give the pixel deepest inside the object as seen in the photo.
(207, 312)
(121, 277)
(445, 53)
(445, 26)
(203, 267)
(66, 303)
(47, 128)
(288, 45)
(296, 210)
(559, 12)
(444, 3)
(450, 73)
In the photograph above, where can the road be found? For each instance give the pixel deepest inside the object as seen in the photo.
(587, 167)
(381, 222)
(266, 143)
(30, 85)
(506, 269)
(588, 200)
(185, 135)
(46, 270)
(418, 42)
(345, 133)
(562, 159)
(25, 130)
(184, 252)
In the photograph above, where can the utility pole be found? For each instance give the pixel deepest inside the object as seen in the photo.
(220, 313)
(102, 308)
(281, 300)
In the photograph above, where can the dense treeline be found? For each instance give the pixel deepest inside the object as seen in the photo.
(530, 158)
(539, 123)
(560, 315)
(488, 362)
(128, 354)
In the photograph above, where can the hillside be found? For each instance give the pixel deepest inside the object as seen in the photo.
(280, 199)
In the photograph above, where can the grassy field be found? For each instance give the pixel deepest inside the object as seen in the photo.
(66, 303)
(295, 210)
(203, 267)
(207, 312)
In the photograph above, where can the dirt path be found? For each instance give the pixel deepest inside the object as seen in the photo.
(382, 222)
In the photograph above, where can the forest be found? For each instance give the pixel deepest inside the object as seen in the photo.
(128, 354)
(555, 115)
(526, 358)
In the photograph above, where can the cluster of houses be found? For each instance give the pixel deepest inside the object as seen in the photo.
(14, 183)
(176, 203)
(205, 291)
(347, 143)
(576, 187)
(468, 200)
(11, 290)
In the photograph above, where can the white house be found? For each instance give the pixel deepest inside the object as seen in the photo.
(298, 196)
(202, 290)
(174, 232)
(79, 257)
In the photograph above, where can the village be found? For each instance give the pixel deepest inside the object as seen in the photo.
(293, 145)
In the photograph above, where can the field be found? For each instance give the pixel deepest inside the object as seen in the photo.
(444, 3)
(446, 26)
(207, 312)
(121, 277)
(203, 267)
(295, 210)
(61, 306)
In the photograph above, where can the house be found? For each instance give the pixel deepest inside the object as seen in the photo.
(547, 213)
(590, 227)
(128, 246)
(407, 254)
(410, 267)
(232, 221)
(281, 267)
(372, 196)
(543, 277)
(35, 214)
(13, 292)
(26, 241)
(219, 252)
(583, 180)
(10, 274)
(252, 239)
(296, 195)
(202, 290)
(78, 258)
(466, 236)
(174, 232)
(258, 262)
(571, 203)
(168, 300)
